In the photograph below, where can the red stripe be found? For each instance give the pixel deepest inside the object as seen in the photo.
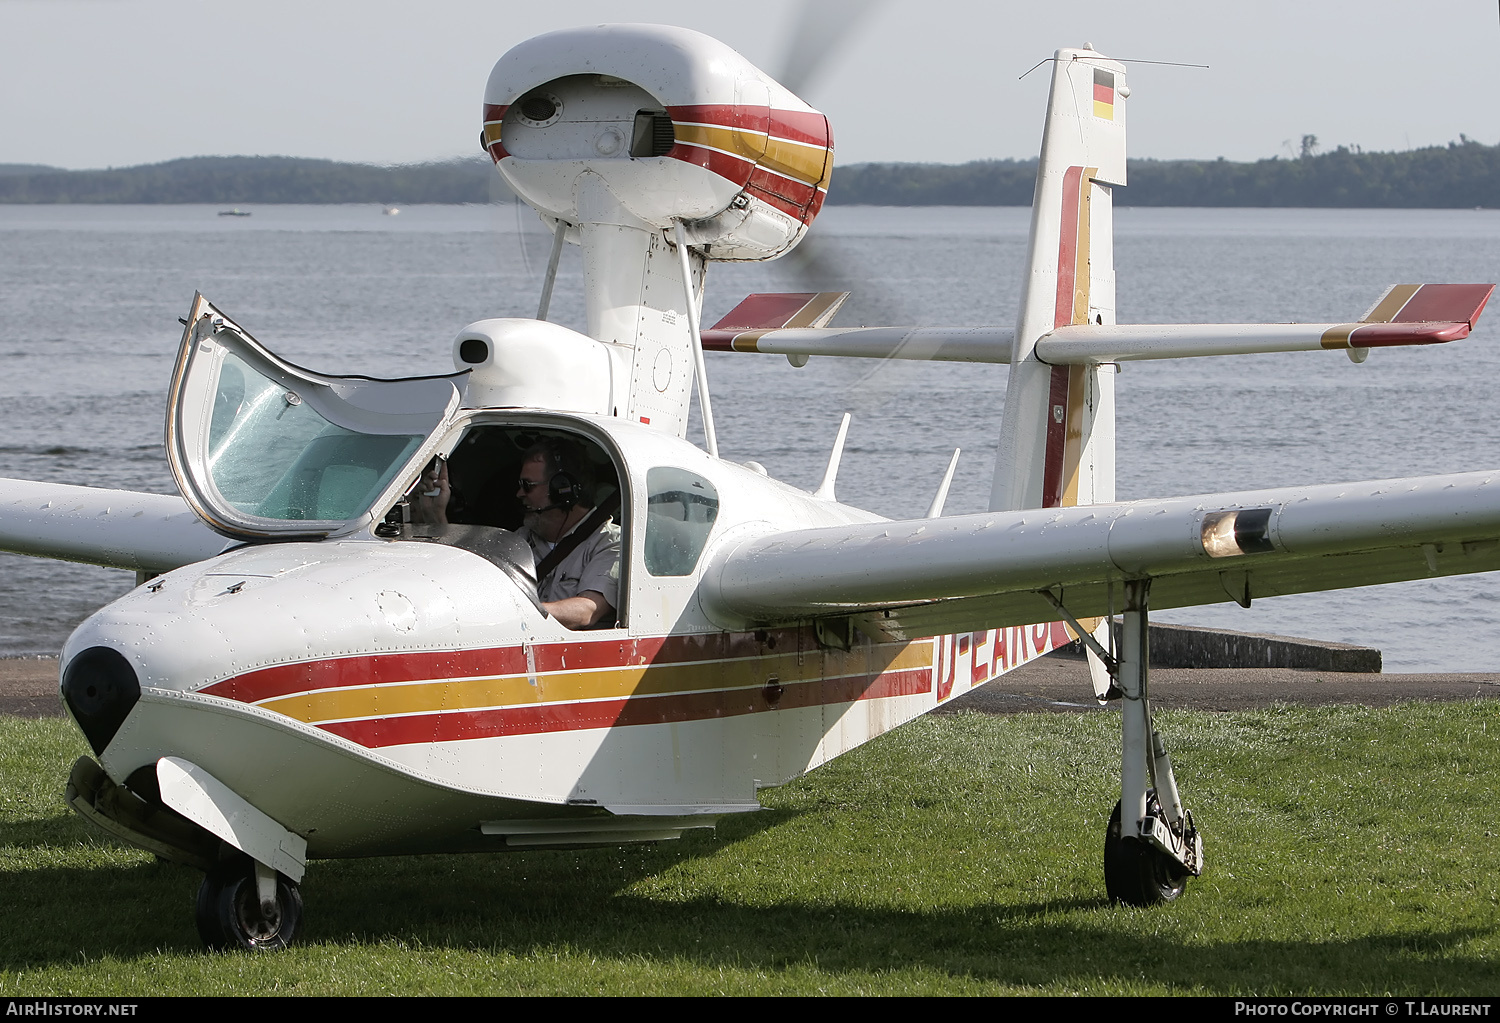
(1067, 249)
(806, 126)
(727, 115)
(791, 209)
(798, 193)
(496, 112)
(731, 168)
(1057, 435)
(1104, 94)
(719, 340)
(1062, 314)
(1385, 335)
(375, 669)
(801, 126)
(792, 197)
(445, 727)
(765, 311)
(347, 672)
(816, 206)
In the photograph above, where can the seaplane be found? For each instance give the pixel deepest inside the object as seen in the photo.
(355, 631)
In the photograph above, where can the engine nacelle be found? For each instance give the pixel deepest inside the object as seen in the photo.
(679, 126)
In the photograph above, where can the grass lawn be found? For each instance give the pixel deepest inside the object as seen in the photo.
(1349, 851)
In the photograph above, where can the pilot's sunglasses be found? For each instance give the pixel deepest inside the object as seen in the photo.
(526, 485)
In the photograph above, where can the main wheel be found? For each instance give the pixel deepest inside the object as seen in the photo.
(1135, 872)
(229, 913)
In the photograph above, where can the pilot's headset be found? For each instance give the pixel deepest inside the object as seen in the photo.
(564, 490)
(568, 484)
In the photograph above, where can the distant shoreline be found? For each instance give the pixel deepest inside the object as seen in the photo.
(1461, 175)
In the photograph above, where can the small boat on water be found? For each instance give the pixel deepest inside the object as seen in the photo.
(236, 212)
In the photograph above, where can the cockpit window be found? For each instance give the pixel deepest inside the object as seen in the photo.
(681, 508)
(272, 455)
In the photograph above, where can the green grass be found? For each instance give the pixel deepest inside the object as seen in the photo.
(1349, 851)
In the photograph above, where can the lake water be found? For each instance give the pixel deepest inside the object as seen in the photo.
(90, 295)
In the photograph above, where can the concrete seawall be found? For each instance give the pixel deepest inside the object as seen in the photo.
(1188, 646)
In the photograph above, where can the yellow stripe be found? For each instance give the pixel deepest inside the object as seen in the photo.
(1082, 283)
(1337, 336)
(491, 133)
(746, 145)
(1104, 110)
(816, 309)
(801, 162)
(565, 687)
(1081, 274)
(1391, 303)
(808, 164)
(746, 342)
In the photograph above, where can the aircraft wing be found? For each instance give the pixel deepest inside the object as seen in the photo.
(924, 577)
(113, 528)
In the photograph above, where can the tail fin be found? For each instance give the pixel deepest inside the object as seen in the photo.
(1057, 437)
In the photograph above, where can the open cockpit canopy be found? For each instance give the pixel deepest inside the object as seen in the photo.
(262, 448)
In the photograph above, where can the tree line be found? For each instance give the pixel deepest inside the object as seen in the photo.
(1462, 174)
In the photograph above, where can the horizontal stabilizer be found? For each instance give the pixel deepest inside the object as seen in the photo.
(112, 528)
(967, 572)
(922, 344)
(1407, 314)
(771, 311)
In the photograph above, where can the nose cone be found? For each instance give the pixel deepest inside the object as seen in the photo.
(100, 687)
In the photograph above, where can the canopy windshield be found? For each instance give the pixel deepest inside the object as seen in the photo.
(263, 448)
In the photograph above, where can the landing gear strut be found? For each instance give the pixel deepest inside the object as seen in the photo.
(1152, 845)
(244, 904)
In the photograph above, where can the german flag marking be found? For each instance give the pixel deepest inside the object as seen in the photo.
(1104, 94)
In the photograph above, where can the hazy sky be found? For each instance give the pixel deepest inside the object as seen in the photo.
(93, 83)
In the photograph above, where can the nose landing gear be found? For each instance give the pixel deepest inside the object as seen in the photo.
(246, 905)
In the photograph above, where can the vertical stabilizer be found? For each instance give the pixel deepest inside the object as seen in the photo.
(1057, 437)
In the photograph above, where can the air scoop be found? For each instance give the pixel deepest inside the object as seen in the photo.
(100, 688)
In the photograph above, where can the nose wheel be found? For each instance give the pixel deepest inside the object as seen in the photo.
(245, 905)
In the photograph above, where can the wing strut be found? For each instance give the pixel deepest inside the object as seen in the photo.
(699, 371)
(1086, 638)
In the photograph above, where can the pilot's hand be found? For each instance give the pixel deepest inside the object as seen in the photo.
(432, 495)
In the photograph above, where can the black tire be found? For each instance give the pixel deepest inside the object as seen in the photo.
(229, 914)
(1137, 873)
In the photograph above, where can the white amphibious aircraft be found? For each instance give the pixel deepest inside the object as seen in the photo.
(311, 667)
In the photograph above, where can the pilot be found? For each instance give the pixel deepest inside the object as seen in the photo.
(581, 588)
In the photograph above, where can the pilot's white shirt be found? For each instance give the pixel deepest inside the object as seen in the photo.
(593, 565)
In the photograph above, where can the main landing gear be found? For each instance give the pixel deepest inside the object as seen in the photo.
(247, 905)
(1152, 845)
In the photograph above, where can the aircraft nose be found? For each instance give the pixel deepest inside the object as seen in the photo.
(100, 687)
